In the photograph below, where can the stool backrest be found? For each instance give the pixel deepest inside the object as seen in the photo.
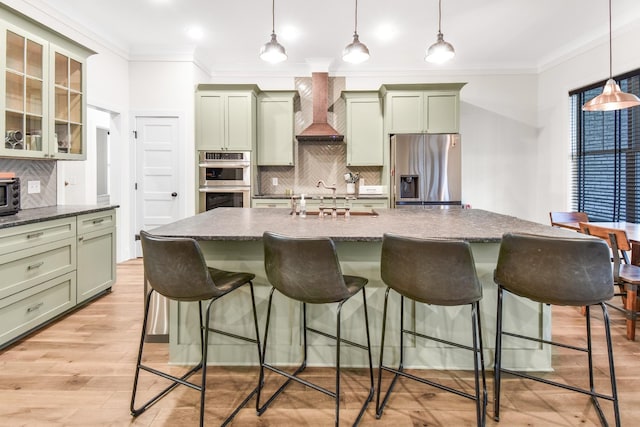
(552, 270)
(557, 217)
(175, 268)
(440, 272)
(305, 269)
(605, 232)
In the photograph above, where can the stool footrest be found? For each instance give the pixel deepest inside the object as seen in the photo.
(342, 340)
(428, 382)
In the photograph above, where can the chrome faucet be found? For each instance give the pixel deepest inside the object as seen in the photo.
(329, 187)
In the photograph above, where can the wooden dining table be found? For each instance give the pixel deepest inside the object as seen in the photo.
(632, 230)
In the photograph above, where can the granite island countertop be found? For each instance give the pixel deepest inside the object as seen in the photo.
(34, 215)
(473, 225)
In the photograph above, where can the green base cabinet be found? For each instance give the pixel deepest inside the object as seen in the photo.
(96, 253)
(365, 137)
(422, 108)
(276, 128)
(226, 117)
(49, 268)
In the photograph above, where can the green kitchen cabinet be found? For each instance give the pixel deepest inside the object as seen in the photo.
(271, 203)
(276, 128)
(365, 133)
(43, 111)
(226, 117)
(96, 253)
(52, 266)
(422, 108)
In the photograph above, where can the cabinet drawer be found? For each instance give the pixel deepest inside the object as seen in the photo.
(24, 269)
(26, 236)
(28, 309)
(273, 203)
(96, 221)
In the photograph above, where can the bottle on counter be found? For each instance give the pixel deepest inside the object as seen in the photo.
(303, 207)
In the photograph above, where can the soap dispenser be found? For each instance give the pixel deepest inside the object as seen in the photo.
(303, 207)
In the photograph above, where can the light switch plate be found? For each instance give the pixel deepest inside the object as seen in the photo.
(274, 181)
(33, 187)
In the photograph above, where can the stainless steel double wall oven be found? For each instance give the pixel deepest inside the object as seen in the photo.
(225, 179)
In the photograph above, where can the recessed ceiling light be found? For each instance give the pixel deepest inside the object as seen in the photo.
(195, 32)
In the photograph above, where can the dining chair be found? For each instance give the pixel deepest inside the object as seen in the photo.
(626, 276)
(567, 217)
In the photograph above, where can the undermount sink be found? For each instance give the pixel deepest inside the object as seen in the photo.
(340, 212)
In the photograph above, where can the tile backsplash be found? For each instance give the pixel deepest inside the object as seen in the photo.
(315, 161)
(34, 170)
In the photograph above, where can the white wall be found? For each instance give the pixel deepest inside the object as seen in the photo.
(591, 65)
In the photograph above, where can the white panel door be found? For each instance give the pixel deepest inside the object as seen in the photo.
(157, 198)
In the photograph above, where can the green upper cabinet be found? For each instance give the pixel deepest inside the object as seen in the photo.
(422, 108)
(226, 117)
(365, 134)
(276, 128)
(43, 106)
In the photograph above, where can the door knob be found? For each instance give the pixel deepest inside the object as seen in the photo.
(174, 194)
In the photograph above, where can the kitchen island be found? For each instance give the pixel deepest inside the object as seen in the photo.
(231, 239)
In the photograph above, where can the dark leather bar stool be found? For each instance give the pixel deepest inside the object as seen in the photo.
(438, 272)
(175, 268)
(557, 271)
(307, 270)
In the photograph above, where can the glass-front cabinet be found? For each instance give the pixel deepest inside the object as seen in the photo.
(43, 85)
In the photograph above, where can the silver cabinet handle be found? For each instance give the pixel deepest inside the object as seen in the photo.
(98, 221)
(36, 265)
(34, 235)
(34, 307)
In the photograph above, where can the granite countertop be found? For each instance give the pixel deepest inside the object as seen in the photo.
(473, 225)
(34, 215)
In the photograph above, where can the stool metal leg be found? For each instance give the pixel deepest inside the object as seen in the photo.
(497, 358)
(379, 407)
(478, 365)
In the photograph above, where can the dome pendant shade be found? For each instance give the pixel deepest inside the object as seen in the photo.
(440, 51)
(355, 52)
(611, 98)
(273, 51)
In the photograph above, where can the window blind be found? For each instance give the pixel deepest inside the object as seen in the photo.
(605, 155)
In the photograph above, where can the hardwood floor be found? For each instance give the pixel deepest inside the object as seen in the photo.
(79, 371)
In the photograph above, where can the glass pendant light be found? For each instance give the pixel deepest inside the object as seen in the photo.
(355, 52)
(612, 98)
(272, 51)
(440, 51)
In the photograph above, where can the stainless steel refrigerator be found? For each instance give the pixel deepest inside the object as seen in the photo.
(426, 170)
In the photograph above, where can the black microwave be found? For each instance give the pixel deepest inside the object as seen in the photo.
(9, 196)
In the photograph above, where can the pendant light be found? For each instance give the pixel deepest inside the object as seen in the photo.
(273, 51)
(612, 98)
(355, 52)
(440, 51)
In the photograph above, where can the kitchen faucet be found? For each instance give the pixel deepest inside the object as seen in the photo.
(329, 187)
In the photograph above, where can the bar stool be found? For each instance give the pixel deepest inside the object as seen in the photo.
(625, 275)
(175, 268)
(307, 270)
(438, 272)
(557, 271)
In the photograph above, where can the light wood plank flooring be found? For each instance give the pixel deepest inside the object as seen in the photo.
(79, 370)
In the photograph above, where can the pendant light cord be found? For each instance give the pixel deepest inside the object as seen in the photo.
(610, 45)
(439, 15)
(355, 31)
(273, 16)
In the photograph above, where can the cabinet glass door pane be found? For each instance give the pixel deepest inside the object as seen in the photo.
(62, 136)
(15, 52)
(34, 59)
(75, 107)
(15, 92)
(62, 104)
(34, 96)
(62, 70)
(75, 75)
(13, 130)
(75, 140)
(33, 134)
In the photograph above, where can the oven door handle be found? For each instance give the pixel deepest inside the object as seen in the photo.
(223, 189)
(224, 165)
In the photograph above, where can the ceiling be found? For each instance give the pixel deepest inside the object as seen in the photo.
(517, 35)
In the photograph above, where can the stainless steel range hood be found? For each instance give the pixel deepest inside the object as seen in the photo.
(320, 130)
